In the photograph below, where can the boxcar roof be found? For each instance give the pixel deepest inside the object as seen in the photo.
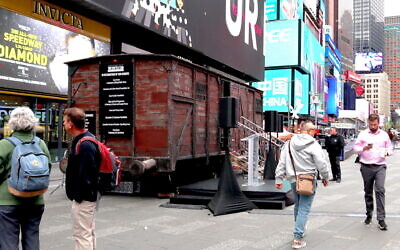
(159, 57)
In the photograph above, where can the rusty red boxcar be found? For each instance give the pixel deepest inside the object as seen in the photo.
(173, 112)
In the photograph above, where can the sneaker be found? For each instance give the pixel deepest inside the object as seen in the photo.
(382, 225)
(333, 179)
(368, 220)
(338, 180)
(298, 244)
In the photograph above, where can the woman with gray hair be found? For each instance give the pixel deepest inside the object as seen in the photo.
(19, 214)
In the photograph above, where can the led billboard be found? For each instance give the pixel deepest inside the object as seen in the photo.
(332, 100)
(313, 58)
(369, 62)
(282, 43)
(33, 53)
(301, 92)
(283, 9)
(278, 90)
(223, 30)
(291, 9)
(271, 10)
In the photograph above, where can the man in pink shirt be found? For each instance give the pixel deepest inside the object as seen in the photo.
(373, 145)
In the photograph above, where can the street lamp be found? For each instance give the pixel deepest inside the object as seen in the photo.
(315, 101)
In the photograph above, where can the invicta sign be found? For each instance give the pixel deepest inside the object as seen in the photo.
(57, 14)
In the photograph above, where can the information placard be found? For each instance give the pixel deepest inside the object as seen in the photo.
(116, 99)
(90, 121)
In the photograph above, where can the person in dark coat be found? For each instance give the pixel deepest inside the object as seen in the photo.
(334, 145)
(82, 180)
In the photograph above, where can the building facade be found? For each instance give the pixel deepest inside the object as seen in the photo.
(345, 34)
(392, 59)
(377, 91)
(368, 25)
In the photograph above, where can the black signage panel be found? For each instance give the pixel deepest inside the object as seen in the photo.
(228, 31)
(116, 99)
(90, 121)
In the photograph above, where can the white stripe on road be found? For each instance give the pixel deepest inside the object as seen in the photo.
(232, 244)
(186, 228)
(55, 229)
(156, 221)
(112, 230)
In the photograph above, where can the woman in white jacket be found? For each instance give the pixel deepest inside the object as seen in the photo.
(308, 158)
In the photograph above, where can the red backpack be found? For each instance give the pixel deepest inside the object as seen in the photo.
(110, 165)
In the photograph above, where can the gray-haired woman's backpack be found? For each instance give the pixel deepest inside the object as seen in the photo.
(29, 174)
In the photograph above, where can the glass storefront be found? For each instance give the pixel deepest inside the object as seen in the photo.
(50, 124)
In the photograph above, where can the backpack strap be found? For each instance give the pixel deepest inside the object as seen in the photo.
(14, 140)
(17, 141)
(86, 138)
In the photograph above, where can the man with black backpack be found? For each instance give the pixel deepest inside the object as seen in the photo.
(82, 176)
(22, 206)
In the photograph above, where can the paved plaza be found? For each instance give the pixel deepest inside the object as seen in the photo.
(336, 221)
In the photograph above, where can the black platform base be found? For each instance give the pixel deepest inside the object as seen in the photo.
(264, 196)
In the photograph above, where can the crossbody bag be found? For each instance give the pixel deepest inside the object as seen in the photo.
(305, 183)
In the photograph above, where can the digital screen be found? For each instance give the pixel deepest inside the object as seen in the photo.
(271, 10)
(369, 62)
(282, 43)
(313, 59)
(230, 32)
(332, 100)
(33, 53)
(291, 9)
(288, 9)
(301, 92)
(278, 91)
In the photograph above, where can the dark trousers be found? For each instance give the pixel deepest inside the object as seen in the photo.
(24, 218)
(374, 176)
(335, 166)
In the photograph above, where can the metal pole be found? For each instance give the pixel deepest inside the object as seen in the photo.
(316, 116)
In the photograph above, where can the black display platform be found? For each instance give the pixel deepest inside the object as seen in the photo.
(264, 196)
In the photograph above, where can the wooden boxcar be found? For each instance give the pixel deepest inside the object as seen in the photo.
(174, 113)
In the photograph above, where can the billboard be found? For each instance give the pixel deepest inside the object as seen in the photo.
(278, 90)
(301, 92)
(312, 5)
(282, 43)
(32, 53)
(291, 9)
(271, 10)
(313, 58)
(369, 62)
(283, 9)
(332, 100)
(223, 30)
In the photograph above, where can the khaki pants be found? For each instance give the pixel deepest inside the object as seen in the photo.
(83, 219)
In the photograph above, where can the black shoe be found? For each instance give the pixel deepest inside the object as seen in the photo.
(368, 220)
(382, 225)
(338, 180)
(333, 179)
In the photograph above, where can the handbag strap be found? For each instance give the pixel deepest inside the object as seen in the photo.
(291, 157)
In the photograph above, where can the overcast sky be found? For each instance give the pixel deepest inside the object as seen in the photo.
(392, 8)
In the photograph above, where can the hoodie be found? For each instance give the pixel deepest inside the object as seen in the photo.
(308, 157)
